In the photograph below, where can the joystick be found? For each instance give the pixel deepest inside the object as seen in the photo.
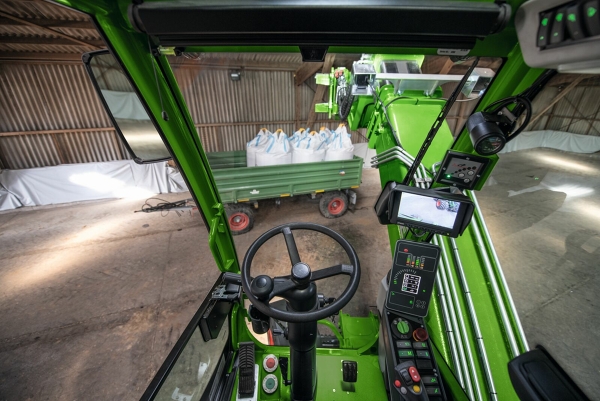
(408, 382)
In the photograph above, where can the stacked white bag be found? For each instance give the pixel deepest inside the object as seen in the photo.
(309, 149)
(326, 134)
(277, 150)
(340, 145)
(256, 145)
(297, 136)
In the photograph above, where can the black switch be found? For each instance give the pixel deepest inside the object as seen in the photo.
(406, 376)
(403, 344)
(591, 17)
(423, 354)
(557, 33)
(544, 29)
(574, 23)
(433, 390)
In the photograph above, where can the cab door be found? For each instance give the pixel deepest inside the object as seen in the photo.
(198, 368)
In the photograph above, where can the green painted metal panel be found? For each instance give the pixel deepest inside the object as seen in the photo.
(254, 183)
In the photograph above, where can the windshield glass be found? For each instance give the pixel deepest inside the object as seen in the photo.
(284, 147)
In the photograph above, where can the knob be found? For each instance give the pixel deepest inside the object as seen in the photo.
(403, 327)
(261, 287)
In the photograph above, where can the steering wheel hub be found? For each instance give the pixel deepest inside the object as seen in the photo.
(301, 273)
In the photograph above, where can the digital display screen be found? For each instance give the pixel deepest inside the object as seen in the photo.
(427, 210)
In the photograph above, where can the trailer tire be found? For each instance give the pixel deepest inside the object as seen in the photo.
(240, 218)
(333, 204)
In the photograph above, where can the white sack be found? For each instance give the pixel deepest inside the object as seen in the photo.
(298, 135)
(340, 145)
(255, 145)
(310, 149)
(326, 134)
(277, 151)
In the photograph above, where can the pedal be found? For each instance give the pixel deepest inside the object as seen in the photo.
(350, 369)
(246, 368)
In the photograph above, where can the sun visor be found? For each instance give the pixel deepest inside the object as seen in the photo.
(433, 24)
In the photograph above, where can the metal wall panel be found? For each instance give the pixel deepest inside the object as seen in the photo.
(60, 101)
(577, 112)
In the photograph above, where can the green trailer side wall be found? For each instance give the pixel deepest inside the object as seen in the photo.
(241, 183)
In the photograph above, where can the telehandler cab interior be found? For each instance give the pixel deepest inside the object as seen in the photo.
(445, 326)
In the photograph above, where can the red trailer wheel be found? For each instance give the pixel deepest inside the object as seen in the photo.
(333, 204)
(240, 218)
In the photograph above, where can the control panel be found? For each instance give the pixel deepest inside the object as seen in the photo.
(412, 277)
(561, 35)
(461, 170)
(568, 23)
(412, 371)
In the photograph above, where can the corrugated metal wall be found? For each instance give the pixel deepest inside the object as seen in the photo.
(577, 112)
(58, 103)
(50, 114)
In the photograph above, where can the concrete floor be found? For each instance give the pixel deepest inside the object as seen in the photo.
(93, 296)
(543, 213)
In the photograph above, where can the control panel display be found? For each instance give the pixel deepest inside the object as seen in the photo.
(461, 170)
(412, 277)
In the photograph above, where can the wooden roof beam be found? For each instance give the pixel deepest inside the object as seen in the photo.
(306, 71)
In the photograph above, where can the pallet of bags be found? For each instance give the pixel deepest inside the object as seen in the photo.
(310, 148)
(277, 150)
(340, 145)
(255, 145)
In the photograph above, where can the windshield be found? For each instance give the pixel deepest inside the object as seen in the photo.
(276, 160)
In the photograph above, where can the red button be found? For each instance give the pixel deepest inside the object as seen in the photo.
(397, 383)
(414, 374)
(420, 334)
(270, 363)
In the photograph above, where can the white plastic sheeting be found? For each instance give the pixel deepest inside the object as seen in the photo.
(556, 140)
(8, 201)
(88, 181)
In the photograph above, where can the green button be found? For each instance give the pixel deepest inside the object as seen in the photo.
(402, 327)
(591, 11)
(545, 21)
(559, 17)
(270, 383)
(572, 17)
(406, 353)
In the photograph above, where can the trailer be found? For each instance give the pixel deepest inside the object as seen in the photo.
(241, 187)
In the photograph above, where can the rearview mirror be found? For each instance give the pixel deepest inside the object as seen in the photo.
(129, 114)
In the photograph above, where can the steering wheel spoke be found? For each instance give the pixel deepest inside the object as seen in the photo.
(291, 245)
(332, 271)
(281, 285)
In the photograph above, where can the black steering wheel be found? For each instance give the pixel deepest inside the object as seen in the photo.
(262, 289)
